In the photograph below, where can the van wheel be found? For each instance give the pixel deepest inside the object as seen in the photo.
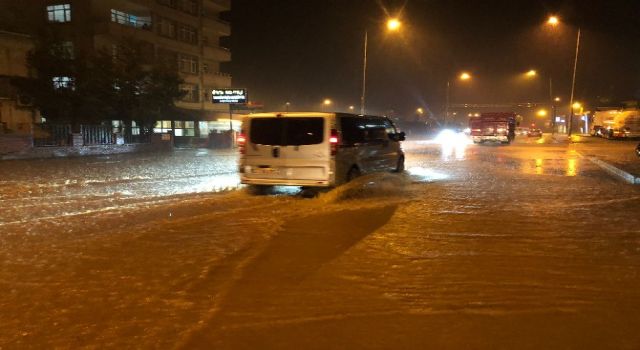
(353, 173)
(400, 166)
(260, 190)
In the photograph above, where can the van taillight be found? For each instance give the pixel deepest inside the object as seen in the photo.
(333, 142)
(241, 140)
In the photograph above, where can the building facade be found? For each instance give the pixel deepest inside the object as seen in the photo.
(16, 112)
(187, 31)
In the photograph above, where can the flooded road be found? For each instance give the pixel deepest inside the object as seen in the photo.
(483, 247)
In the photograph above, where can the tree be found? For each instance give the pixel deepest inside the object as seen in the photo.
(146, 86)
(98, 86)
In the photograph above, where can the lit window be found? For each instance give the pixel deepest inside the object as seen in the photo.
(162, 126)
(59, 13)
(62, 83)
(130, 20)
(184, 128)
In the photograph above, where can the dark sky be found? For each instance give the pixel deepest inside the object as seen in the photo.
(303, 51)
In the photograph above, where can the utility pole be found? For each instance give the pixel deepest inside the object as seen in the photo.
(364, 76)
(573, 84)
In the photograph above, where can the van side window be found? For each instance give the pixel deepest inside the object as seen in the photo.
(391, 129)
(353, 130)
(376, 130)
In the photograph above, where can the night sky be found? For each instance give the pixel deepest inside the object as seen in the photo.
(303, 51)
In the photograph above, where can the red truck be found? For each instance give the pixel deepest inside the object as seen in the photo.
(494, 126)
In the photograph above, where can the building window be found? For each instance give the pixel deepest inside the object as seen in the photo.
(166, 28)
(162, 126)
(188, 64)
(187, 34)
(188, 6)
(63, 50)
(184, 128)
(59, 13)
(62, 83)
(130, 20)
(192, 92)
(170, 3)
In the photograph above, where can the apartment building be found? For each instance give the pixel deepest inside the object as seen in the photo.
(187, 31)
(16, 111)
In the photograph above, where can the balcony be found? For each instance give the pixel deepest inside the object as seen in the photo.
(217, 79)
(216, 25)
(216, 53)
(109, 28)
(219, 5)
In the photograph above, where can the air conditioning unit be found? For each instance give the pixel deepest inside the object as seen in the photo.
(24, 101)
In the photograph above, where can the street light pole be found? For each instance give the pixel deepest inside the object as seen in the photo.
(364, 75)
(573, 84)
(393, 24)
(446, 111)
(553, 106)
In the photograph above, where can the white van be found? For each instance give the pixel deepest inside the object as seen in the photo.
(313, 149)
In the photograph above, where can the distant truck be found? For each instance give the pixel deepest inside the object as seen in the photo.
(495, 126)
(616, 124)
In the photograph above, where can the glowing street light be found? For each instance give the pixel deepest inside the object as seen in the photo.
(326, 102)
(554, 21)
(557, 99)
(531, 73)
(351, 108)
(576, 105)
(542, 113)
(393, 25)
(420, 111)
(464, 76)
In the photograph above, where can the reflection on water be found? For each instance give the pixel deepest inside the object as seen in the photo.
(425, 175)
(564, 167)
(539, 168)
(572, 167)
(215, 183)
(450, 151)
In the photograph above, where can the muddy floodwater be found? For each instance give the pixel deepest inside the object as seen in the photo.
(528, 246)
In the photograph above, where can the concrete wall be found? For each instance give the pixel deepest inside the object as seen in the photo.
(19, 147)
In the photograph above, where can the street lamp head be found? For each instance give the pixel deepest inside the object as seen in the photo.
(531, 73)
(553, 21)
(326, 102)
(542, 113)
(465, 76)
(420, 110)
(393, 24)
(351, 108)
(557, 99)
(576, 105)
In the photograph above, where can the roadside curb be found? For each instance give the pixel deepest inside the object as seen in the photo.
(628, 177)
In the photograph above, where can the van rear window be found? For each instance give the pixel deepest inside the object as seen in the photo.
(287, 131)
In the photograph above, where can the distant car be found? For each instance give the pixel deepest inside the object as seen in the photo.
(521, 131)
(534, 133)
(638, 150)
